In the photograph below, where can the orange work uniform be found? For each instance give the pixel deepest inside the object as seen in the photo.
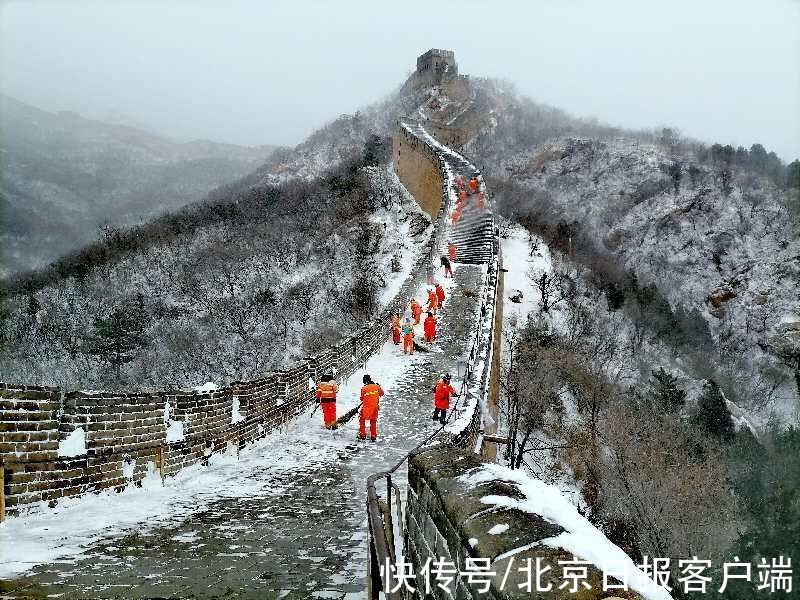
(326, 394)
(473, 185)
(441, 400)
(433, 301)
(451, 251)
(370, 398)
(416, 311)
(408, 338)
(441, 395)
(430, 329)
(396, 330)
(440, 295)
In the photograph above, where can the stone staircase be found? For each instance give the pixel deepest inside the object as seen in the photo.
(472, 229)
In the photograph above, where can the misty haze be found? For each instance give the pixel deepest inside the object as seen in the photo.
(301, 299)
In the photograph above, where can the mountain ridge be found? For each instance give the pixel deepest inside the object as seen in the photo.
(64, 176)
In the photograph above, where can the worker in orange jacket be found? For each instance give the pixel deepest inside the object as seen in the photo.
(451, 251)
(370, 398)
(408, 337)
(429, 327)
(441, 398)
(433, 301)
(396, 329)
(326, 396)
(440, 294)
(416, 310)
(474, 184)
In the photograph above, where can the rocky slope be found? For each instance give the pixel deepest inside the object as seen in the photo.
(715, 233)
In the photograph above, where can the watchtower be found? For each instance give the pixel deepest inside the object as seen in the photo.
(434, 64)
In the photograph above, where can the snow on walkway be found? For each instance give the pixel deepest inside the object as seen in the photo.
(288, 514)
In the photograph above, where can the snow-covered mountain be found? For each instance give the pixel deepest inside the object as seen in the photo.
(714, 229)
(724, 248)
(65, 176)
(217, 291)
(714, 234)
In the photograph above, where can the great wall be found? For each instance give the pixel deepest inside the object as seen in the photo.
(130, 436)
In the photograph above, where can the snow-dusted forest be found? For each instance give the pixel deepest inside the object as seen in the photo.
(224, 290)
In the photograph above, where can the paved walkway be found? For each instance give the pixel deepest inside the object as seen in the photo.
(295, 526)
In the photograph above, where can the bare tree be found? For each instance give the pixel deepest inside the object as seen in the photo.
(668, 481)
(552, 288)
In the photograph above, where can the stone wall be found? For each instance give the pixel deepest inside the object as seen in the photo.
(456, 87)
(450, 136)
(418, 168)
(445, 518)
(126, 433)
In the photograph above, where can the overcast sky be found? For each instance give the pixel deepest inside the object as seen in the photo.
(270, 71)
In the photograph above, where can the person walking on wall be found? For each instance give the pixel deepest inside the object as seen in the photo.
(416, 310)
(441, 398)
(448, 270)
(430, 274)
(408, 337)
(396, 329)
(327, 389)
(370, 399)
(440, 294)
(433, 301)
(429, 327)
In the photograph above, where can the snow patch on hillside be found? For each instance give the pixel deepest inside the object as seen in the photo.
(729, 255)
(406, 228)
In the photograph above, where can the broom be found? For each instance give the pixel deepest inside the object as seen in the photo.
(346, 417)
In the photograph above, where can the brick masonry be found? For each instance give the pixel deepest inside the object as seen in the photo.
(419, 169)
